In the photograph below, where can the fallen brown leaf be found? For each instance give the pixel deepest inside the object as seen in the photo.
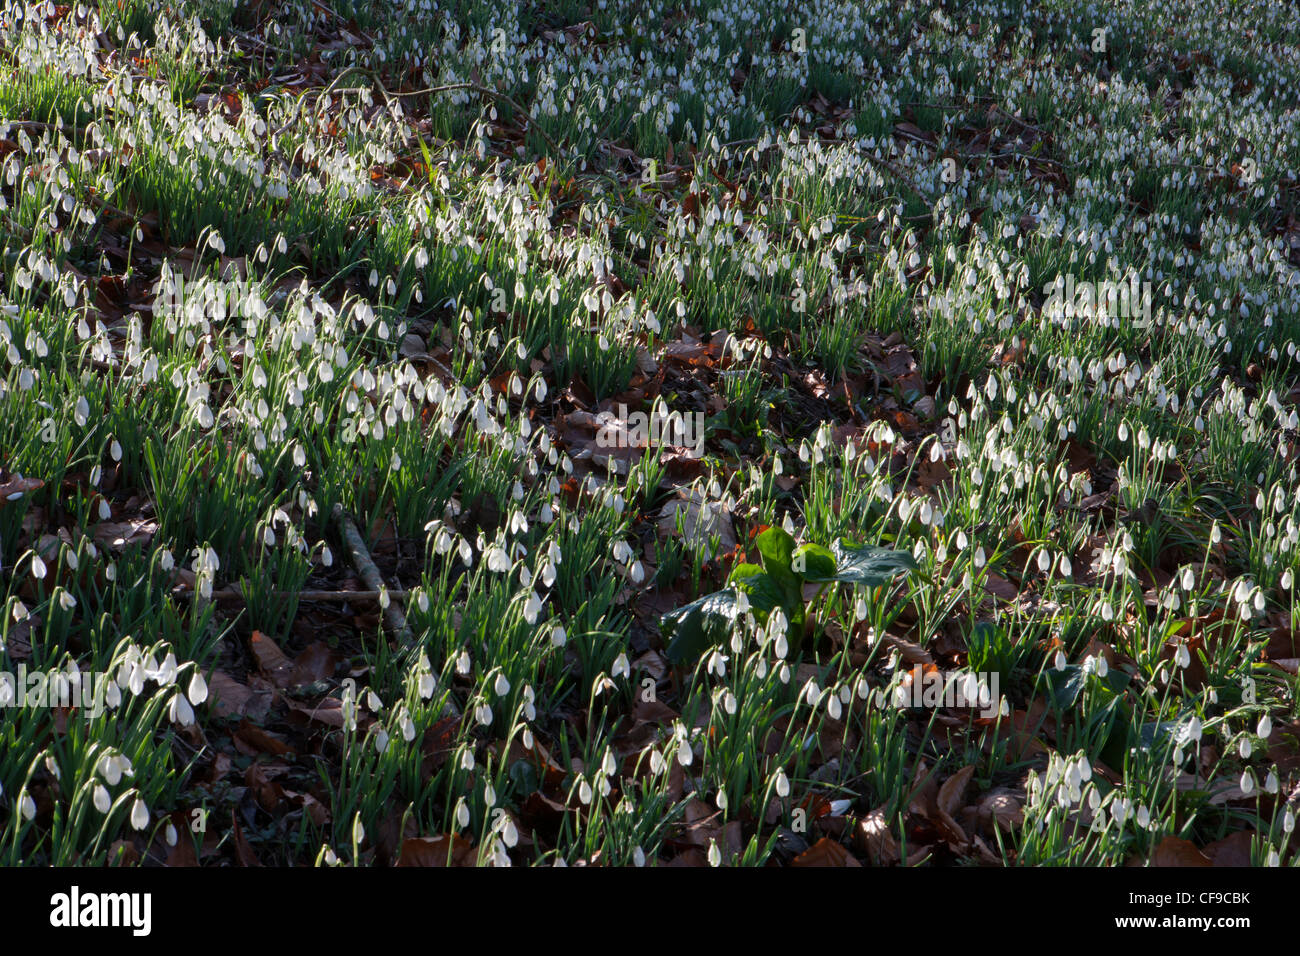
(825, 852)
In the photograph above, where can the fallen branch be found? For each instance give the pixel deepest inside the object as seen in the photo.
(370, 574)
(317, 596)
(361, 560)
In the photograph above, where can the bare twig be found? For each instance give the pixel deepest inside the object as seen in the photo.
(316, 596)
(361, 560)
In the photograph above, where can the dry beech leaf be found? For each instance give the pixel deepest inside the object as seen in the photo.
(446, 850)
(1173, 851)
(1000, 809)
(872, 837)
(953, 792)
(825, 852)
(1232, 850)
(230, 698)
(273, 661)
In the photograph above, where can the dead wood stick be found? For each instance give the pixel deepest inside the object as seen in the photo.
(319, 596)
(370, 574)
(361, 560)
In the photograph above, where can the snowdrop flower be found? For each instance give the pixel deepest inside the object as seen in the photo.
(139, 814)
(781, 784)
(179, 711)
(197, 691)
(621, 667)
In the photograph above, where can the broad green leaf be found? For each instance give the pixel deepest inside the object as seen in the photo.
(776, 546)
(1066, 685)
(812, 562)
(692, 629)
(1174, 733)
(763, 593)
(870, 566)
(744, 570)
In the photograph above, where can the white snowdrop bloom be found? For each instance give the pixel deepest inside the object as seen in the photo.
(1244, 748)
(139, 814)
(621, 667)
(27, 806)
(180, 711)
(110, 770)
(1247, 782)
(684, 754)
(103, 802)
(781, 784)
(558, 636)
(502, 685)
(1265, 727)
(198, 688)
(717, 664)
(658, 764)
(532, 608)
